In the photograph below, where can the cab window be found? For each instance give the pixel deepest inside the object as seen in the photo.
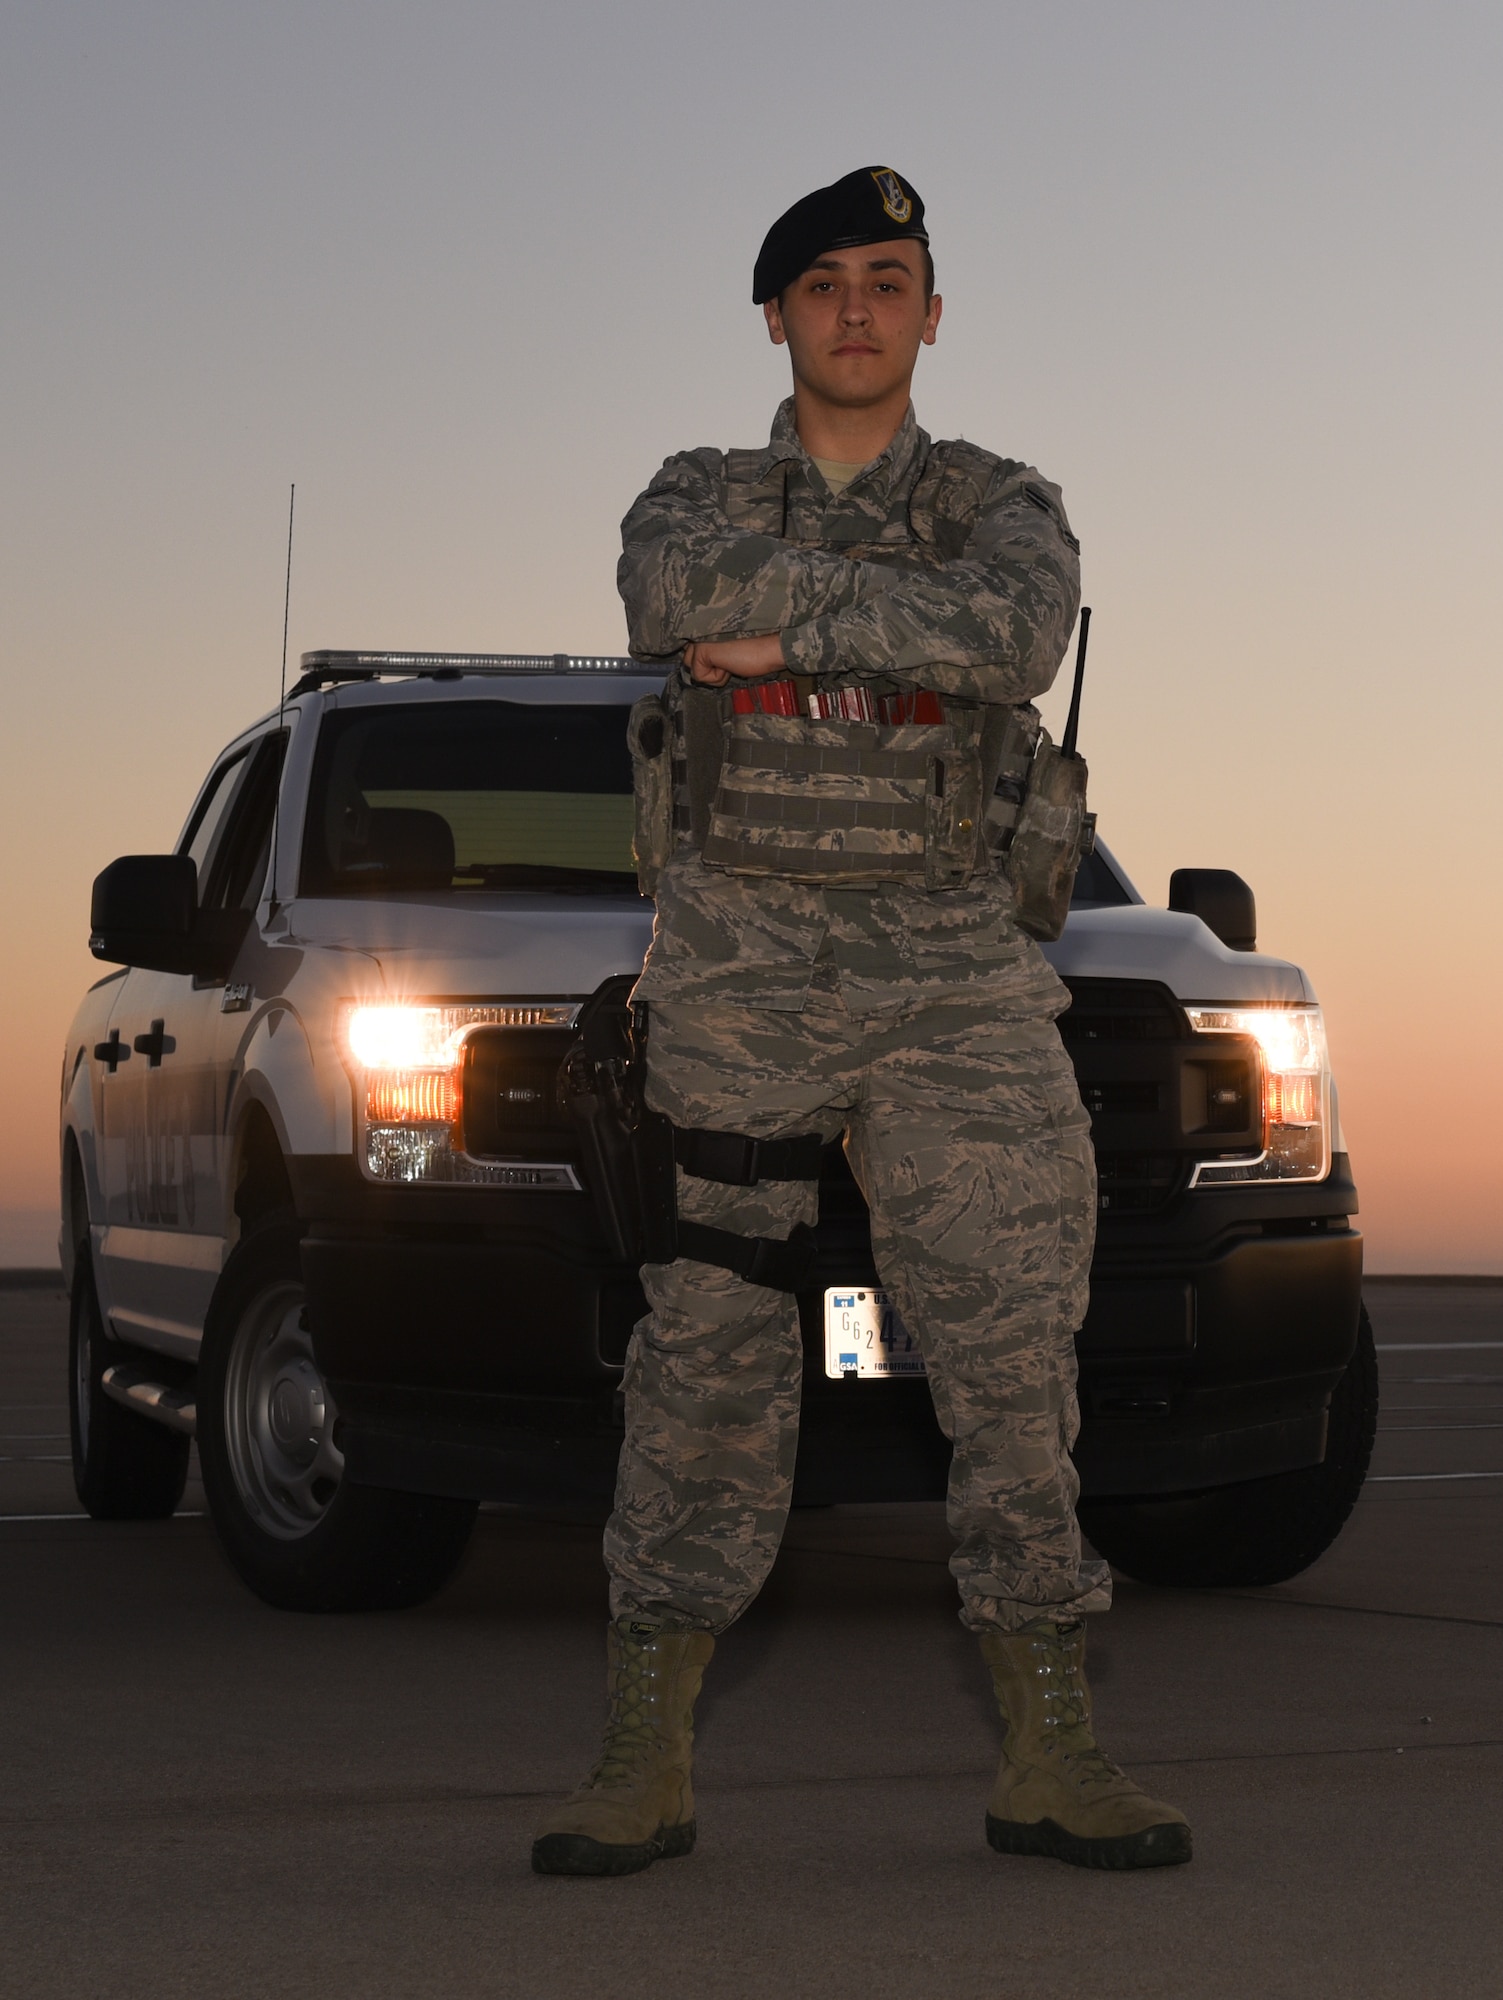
(208, 816)
(1096, 887)
(458, 797)
(237, 870)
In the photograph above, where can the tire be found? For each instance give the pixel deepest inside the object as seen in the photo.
(125, 1467)
(1261, 1532)
(292, 1526)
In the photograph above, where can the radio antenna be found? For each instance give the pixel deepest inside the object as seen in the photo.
(276, 811)
(1072, 721)
(287, 599)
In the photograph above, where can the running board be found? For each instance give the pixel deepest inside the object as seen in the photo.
(173, 1407)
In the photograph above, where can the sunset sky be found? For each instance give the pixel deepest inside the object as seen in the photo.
(466, 273)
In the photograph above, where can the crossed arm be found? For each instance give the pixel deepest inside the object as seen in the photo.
(713, 662)
(992, 624)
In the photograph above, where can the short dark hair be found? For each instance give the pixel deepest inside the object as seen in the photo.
(928, 278)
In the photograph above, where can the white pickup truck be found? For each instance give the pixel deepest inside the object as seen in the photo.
(325, 1210)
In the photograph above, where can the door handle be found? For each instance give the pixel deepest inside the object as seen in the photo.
(113, 1052)
(155, 1045)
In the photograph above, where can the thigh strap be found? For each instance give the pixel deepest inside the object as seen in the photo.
(740, 1161)
(737, 1160)
(759, 1260)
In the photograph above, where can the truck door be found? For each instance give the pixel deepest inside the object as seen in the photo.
(163, 1244)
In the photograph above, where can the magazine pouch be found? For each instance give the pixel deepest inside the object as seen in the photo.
(649, 738)
(850, 804)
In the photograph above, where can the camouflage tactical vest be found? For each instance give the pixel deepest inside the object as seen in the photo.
(840, 803)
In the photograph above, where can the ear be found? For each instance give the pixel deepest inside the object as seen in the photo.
(931, 323)
(773, 315)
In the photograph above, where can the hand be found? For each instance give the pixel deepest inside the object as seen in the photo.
(712, 662)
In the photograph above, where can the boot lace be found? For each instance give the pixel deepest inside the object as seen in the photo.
(631, 1729)
(1066, 1719)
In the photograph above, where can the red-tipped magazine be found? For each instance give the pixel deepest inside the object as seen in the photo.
(771, 697)
(921, 705)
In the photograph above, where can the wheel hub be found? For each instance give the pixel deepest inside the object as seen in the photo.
(280, 1417)
(295, 1410)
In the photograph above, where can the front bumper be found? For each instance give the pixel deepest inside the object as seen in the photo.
(474, 1343)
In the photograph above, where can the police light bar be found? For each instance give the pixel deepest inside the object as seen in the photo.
(326, 666)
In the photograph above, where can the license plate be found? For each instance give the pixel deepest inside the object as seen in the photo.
(864, 1336)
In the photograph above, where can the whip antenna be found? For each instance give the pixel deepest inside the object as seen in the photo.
(287, 599)
(1072, 722)
(276, 813)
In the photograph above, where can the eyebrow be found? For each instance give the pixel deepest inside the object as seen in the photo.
(872, 264)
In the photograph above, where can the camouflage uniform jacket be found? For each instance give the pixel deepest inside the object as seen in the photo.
(939, 566)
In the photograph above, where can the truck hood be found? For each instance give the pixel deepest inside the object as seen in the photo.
(500, 945)
(1137, 942)
(489, 945)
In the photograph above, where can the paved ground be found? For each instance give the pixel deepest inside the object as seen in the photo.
(202, 1796)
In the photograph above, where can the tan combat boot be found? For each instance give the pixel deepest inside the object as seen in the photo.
(637, 1805)
(1057, 1793)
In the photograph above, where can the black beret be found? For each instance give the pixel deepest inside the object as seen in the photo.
(872, 205)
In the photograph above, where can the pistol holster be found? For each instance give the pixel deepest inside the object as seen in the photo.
(632, 1153)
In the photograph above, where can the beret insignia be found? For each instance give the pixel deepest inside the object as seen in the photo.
(894, 200)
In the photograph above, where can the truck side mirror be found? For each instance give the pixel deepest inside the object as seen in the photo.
(144, 911)
(1221, 900)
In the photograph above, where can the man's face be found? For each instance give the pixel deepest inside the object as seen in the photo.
(853, 323)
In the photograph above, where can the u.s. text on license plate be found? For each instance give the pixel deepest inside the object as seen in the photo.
(864, 1336)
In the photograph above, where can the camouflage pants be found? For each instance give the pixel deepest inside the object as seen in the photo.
(968, 1138)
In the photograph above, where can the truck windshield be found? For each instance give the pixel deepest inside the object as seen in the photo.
(465, 796)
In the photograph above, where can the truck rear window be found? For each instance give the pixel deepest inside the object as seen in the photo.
(470, 796)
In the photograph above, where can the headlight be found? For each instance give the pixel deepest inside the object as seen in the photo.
(398, 1037)
(387, 1038)
(409, 1067)
(1295, 1077)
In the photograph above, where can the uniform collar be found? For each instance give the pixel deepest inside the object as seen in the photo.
(908, 443)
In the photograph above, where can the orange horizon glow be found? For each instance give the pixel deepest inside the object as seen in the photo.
(1215, 272)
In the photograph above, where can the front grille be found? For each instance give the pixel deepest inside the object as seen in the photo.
(1121, 1010)
(1158, 1100)
(1100, 1098)
(1124, 1038)
(1138, 1183)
